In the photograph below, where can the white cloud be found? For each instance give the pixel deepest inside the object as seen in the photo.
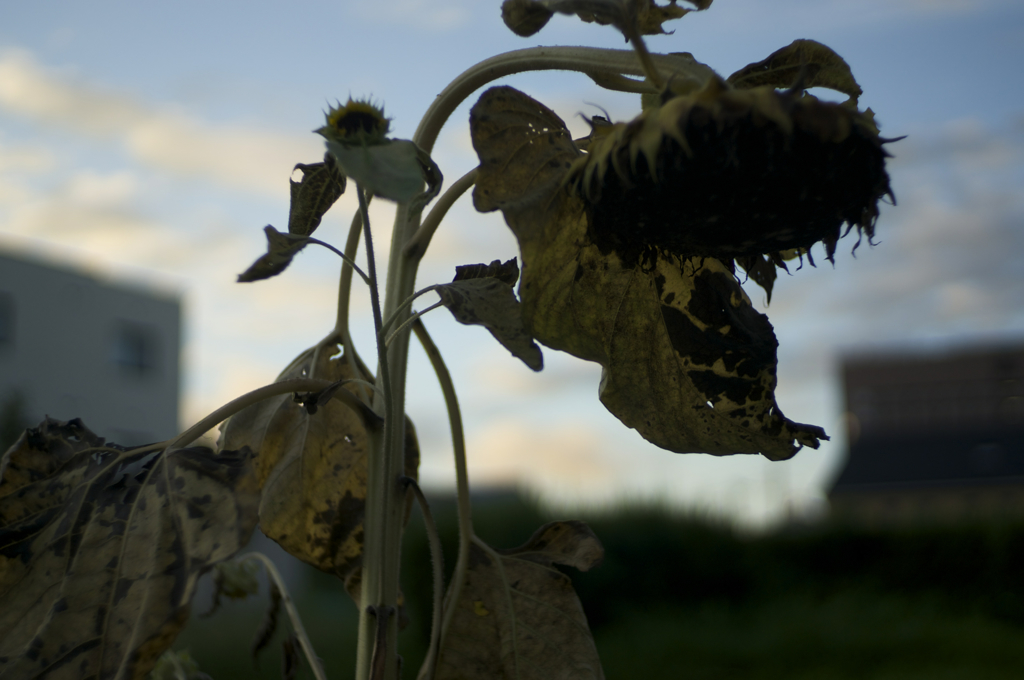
(237, 156)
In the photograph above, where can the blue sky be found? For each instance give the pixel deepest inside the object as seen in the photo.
(151, 143)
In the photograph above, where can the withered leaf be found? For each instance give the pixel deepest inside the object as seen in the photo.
(101, 548)
(482, 295)
(321, 185)
(645, 17)
(312, 467)
(506, 272)
(281, 248)
(687, 360)
(820, 65)
(518, 616)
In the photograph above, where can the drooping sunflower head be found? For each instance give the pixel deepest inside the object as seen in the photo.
(731, 173)
(357, 122)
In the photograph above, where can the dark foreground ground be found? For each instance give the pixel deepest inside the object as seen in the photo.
(677, 597)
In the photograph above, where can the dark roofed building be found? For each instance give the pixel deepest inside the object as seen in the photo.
(933, 436)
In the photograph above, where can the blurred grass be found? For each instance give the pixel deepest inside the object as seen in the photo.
(679, 597)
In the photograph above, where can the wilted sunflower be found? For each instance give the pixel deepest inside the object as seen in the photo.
(688, 362)
(357, 122)
(729, 173)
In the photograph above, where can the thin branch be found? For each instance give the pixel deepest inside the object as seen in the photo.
(437, 558)
(451, 402)
(348, 260)
(408, 301)
(583, 59)
(293, 613)
(355, 231)
(259, 394)
(408, 322)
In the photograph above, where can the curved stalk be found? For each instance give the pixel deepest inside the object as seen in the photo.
(408, 322)
(390, 321)
(583, 59)
(451, 402)
(293, 613)
(437, 558)
(248, 399)
(385, 505)
(355, 231)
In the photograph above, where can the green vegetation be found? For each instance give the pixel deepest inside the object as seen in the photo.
(821, 603)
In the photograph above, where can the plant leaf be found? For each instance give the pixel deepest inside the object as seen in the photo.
(687, 360)
(281, 248)
(321, 185)
(395, 170)
(312, 467)
(101, 548)
(507, 272)
(821, 67)
(482, 295)
(518, 616)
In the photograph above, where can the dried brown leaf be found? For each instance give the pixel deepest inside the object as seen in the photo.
(321, 185)
(482, 295)
(518, 616)
(312, 467)
(281, 248)
(819, 65)
(101, 548)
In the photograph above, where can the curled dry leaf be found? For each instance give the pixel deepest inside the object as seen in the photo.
(321, 185)
(101, 548)
(688, 362)
(482, 295)
(518, 616)
(817, 64)
(312, 467)
(281, 248)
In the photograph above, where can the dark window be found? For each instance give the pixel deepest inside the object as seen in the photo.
(6, 318)
(135, 349)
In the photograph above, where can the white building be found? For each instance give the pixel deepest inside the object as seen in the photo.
(73, 346)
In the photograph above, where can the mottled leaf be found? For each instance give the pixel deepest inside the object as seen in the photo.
(518, 616)
(101, 548)
(819, 65)
(479, 298)
(281, 248)
(687, 360)
(321, 185)
(312, 467)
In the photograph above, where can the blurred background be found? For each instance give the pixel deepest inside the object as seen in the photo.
(144, 146)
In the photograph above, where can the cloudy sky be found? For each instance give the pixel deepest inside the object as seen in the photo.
(151, 142)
